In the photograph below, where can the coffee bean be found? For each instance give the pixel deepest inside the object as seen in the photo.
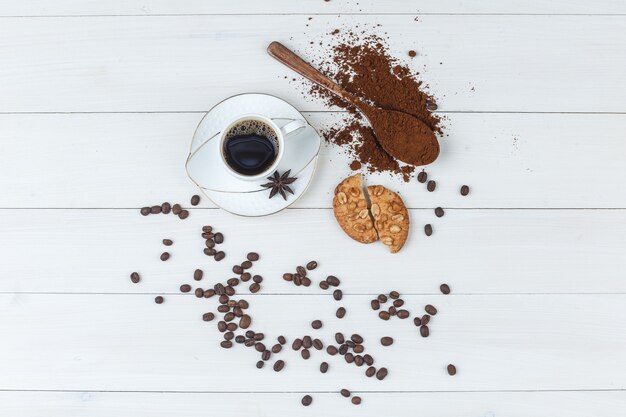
(398, 303)
(424, 331)
(403, 314)
(229, 317)
(465, 190)
(343, 349)
(381, 374)
(331, 350)
(219, 256)
(185, 288)
(431, 186)
(344, 392)
(266, 355)
(183, 214)
(231, 327)
(340, 313)
(144, 211)
(288, 277)
(301, 271)
(430, 309)
(428, 229)
(199, 292)
(324, 367)
(422, 177)
(243, 304)
(337, 295)
(307, 342)
(158, 299)
(297, 344)
(358, 349)
(307, 400)
(356, 338)
(209, 293)
(246, 264)
(297, 279)
(306, 354)
(240, 339)
(166, 208)
(165, 256)
(252, 256)
(229, 336)
(306, 282)
(384, 315)
(382, 298)
(226, 344)
(155, 209)
(223, 299)
(368, 359)
(208, 316)
(386, 341)
(260, 364)
(221, 326)
(232, 282)
(356, 400)
(259, 347)
(394, 295)
(333, 281)
(257, 278)
(358, 360)
(237, 269)
(176, 209)
(316, 324)
(223, 309)
(339, 338)
(209, 252)
(249, 334)
(417, 321)
(279, 365)
(451, 370)
(249, 343)
(219, 238)
(282, 340)
(208, 236)
(392, 311)
(238, 313)
(168, 242)
(245, 277)
(425, 319)
(349, 357)
(245, 321)
(277, 348)
(350, 344)
(311, 265)
(195, 200)
(445, 289)
(209, 243)
(439, 212)
(207, 229)
(324, 285)
(197, 274)
(254, 288)
(375, 304)
(134, 277)
(370, 372)
(258, 336)
(318, 344)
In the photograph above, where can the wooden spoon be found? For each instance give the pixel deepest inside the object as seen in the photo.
(402, 135)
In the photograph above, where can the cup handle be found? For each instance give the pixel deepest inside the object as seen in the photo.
(292, 126)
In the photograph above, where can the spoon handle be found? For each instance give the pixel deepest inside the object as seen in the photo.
(284, 55)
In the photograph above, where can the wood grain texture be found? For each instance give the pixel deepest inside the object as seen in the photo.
(130, 160)
(105, 404)
(188, 63)
(475, 251)
(155, 7)
(127, 342)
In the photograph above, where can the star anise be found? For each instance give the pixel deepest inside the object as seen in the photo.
(279, 183)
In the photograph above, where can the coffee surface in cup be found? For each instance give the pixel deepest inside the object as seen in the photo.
(251, 147)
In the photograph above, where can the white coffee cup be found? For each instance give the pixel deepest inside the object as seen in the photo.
(280, 132)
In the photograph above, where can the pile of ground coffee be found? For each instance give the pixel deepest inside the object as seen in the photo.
(363, 66)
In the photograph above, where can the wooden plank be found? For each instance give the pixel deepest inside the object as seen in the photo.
(130, 160)
(183, 63)
(512, 404)
(475, 251)
(156, 7)
(127, 342)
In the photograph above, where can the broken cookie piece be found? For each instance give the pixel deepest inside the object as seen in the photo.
(391, 218)
(351, 212)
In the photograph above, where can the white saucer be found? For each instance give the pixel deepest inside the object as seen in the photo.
(239, 196)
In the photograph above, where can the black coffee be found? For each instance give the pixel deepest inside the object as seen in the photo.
(251, 147)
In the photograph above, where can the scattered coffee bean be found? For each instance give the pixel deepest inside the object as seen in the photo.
(259, 347)
(306, 282)
(425, 319)
(422, 177)
(209, 243)
(398, 303)
(199, 292)
(229, 317)
(307, 400)
(249, 334)
(279, 365)
(324, 285)
(350, 344)
(208, 316)
(145, 211)
(207, 229)
(210, 252)
(356, 400)
(219, 238)
(246, 264)
(394, 295)
(337, 295)
(424, 331)
(297, 279)
(307, 341)
(339, 338)
(375, 304)
(226, 344)
(158, 299)
(344, 392)
(370, 372)
(311, 265)
(185, 288)
(428, 229)
(356, 338)
(316, 324)
(277, 348)
(324, 367)
(282, 340)
(134, 277)
(240, 339)
(249, 343)
(195, 200)
(155, 209)
(165, 256)
(445, 289)
(358, 360)
(451, 370)
(254, 288)
(233, 282)
(349, 357)
(260, 364)
(253, 256)
(176, 209)
(382, 298)
(358, 349)
(243, 304)
(392, 311)
(340, 313)
(368, 359)
(209, 293)
(166, 208)
(223, 308)
(245, 277)
(381, 374)
(168, 242)
(197, 274)
(245, 321)
(301, 271)
(332, 350)
(306, 354)
(288, 277)
(223, 299)
(386, 341)
(430, 309)
(219, 256)
(183, 215)
(333, 281)
(237, 269)
(343, 349)
(439, 212)
(384, 315)
(431, 186)
(297, 344)
(318, 344)
(417, 321)
(465, 190)
(258, 336)
(266, 355)
(229, 336)
(403, 314)
(257, 278)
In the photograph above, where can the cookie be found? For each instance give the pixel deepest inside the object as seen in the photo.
(351, 212)
(391, 218)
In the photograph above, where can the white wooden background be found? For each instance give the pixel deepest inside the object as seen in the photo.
(98, 101)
